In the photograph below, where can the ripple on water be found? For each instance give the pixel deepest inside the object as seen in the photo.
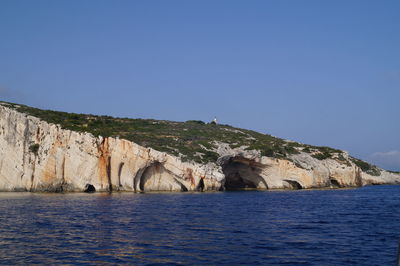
(321, 227)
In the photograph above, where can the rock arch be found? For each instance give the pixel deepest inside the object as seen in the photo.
(293, 184)
(155, 177)
(241, 173)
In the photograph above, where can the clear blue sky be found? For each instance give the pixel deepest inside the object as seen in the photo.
(318, 72)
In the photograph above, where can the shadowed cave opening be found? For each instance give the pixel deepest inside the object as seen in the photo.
(241, 174)
(89, 188)
(200, 186)
(294, 184)
(334, 183)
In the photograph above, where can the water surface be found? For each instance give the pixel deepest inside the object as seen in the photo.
(309, 227)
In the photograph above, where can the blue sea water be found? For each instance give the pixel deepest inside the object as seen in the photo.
(305, 227)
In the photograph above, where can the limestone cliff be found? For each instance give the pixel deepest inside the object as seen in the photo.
(39, 156)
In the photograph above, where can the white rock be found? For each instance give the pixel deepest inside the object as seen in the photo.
(69, 161)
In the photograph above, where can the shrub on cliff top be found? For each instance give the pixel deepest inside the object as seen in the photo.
(189, 139)
(366, 167)
(34, 148)
(322, 155)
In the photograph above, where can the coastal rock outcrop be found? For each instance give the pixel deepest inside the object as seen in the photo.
(40, 156)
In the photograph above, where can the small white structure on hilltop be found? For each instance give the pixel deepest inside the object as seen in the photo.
(215, 121)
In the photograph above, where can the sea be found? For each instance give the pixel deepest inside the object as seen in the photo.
(303, 227)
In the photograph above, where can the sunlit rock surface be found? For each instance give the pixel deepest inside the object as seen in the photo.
(38, 156)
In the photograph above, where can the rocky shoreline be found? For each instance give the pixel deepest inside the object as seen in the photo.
(38, 156)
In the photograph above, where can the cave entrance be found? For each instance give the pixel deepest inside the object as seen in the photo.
(242, 174)
(293, 184)
(334, 183)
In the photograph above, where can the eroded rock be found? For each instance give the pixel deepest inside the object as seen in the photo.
(38, 156)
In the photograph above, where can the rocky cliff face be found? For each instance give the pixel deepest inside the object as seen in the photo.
(38, 156)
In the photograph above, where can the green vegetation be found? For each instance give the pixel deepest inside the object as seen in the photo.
(322, 153)
(192, 140)
(366, 167)
(196, 122)
(321, 156)
(394, 172)
(34, 148)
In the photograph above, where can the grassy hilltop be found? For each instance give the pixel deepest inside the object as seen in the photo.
(191, 140)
